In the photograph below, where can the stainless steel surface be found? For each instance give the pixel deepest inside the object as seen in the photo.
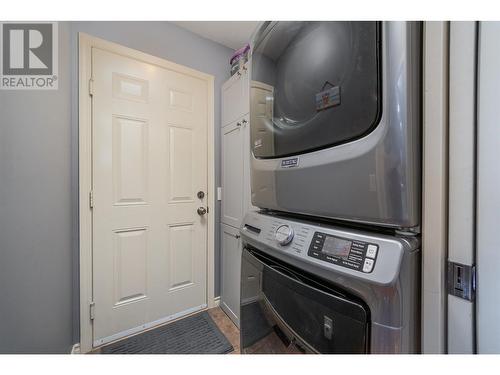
(391, 290)
(375, 179)
(284, 234)
(461, 280)
(201, 211)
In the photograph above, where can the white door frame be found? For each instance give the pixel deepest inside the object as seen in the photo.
(86, 43)
(435, 187)
(461, 173)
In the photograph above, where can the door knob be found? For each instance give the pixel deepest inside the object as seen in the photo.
(201, 211)
(200, 194)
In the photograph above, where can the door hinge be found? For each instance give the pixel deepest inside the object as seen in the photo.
(91, 87)
(462, 280)
(91, 199)
(92, 310)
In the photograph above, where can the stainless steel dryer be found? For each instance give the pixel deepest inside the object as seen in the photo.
(335, 120)
(312, 287)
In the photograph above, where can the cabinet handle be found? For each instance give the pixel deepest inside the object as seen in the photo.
(238, 124)
(239, 73)
(237, 236)
(244, 121)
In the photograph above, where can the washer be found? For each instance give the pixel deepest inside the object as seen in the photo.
(313, 287)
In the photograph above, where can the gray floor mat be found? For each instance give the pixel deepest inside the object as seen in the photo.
(197, 334)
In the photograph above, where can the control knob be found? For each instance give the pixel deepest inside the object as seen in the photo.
(284, 234)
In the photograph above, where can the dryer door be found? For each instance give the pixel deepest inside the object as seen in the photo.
(323, 80)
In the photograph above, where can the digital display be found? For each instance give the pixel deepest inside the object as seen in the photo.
(336, 247)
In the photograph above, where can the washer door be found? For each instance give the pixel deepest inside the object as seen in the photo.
(295, 312)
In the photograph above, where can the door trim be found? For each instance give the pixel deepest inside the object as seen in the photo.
(86, 43)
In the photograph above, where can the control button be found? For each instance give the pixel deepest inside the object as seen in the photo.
(371, 252)
(284, 235)
(367, 267)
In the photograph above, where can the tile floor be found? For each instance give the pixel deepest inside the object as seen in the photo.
(227, 327)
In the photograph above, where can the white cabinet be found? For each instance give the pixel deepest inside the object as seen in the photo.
(231, 266)
(235, 97)
(236, 193)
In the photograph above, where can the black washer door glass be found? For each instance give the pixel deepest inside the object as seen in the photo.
(314, 85)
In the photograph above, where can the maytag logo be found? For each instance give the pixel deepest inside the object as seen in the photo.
(28, 56)
(290, 163)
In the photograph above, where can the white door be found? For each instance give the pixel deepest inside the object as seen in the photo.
(461, 174)
(488, 186)
(149, 161)
(231, 266)
(232, 174)
(235, 97)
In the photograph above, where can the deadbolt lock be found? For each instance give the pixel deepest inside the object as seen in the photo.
(201, 194)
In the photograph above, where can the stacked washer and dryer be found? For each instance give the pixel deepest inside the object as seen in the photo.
(331, 262)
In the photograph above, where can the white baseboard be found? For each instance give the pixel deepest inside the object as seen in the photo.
(75, 349)
(217, 301)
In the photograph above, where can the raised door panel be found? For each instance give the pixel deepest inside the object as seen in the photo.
(130, 160)
(231, 266)
(181, 165)
(232, 175)
(130, 268)
(181, 256)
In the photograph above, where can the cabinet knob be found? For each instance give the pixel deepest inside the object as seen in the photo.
(238, 124)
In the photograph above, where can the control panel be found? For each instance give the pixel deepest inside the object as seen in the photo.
(366, 255)
(353, 254)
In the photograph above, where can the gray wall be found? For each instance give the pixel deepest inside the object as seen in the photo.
(39, 184)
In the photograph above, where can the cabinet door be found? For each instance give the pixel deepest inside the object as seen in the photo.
(235, 97)
(231, 271)
(247, 192)
(232, 174)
